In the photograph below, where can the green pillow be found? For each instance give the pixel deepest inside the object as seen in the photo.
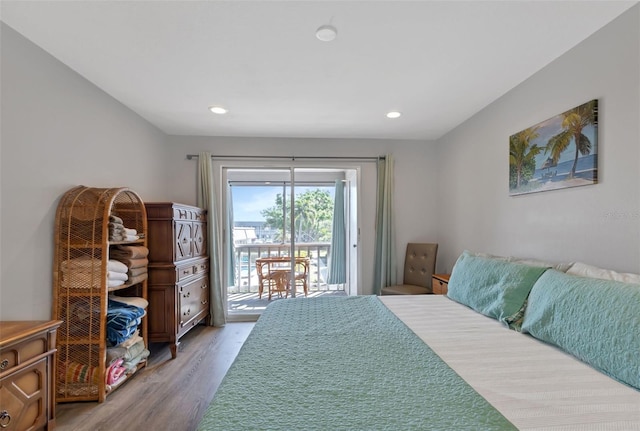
(495, 288)
(597, 321)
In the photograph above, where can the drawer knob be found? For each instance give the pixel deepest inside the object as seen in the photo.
(186, 313)
(195, 269)
(204, 302)
(185, 271)
(204, 286)
(186, 295)
(5, 418)
(4, 364)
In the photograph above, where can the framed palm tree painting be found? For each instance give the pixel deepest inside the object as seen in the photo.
(557, 153)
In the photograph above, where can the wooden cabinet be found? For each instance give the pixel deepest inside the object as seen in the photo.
(178, 271)
(440, 283)
(91, 225)
(27, 350)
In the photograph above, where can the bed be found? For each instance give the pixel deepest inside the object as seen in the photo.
(426, 362)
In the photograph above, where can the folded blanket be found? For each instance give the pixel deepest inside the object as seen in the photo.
(115, 372)
(120, 316)
(116, 336)
(125, 353)
(129, 252)
(133, 363)
(75, 372)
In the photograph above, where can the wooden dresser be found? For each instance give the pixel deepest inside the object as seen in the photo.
(178, 286)
(27, 386)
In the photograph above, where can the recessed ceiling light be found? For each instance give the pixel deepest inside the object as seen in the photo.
(393, 114)
(326, 33)
(218, 110)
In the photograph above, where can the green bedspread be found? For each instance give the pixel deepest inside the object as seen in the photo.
(344, 363)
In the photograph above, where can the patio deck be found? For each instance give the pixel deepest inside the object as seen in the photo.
(249, 303)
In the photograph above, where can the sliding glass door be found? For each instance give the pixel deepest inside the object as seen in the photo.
(297, 220)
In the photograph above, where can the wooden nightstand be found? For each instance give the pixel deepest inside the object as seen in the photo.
(440, 283)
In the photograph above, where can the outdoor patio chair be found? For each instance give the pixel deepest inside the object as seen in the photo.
(419, 266)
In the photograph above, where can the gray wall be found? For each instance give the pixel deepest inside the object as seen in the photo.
(415, 185)
(58, 131)
(597, 224)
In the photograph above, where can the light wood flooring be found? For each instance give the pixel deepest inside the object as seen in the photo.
(167, 394)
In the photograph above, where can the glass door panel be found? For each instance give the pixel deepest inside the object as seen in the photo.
(281, 215)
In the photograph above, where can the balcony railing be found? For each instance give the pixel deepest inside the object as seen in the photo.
(246, 278)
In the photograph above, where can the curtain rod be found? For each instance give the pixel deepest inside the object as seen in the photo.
(195, 156)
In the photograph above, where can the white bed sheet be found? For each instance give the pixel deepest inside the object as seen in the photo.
(534, 385)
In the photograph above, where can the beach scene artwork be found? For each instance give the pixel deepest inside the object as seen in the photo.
(557, 153)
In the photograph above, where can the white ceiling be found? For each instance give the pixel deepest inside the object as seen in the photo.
(438, 62)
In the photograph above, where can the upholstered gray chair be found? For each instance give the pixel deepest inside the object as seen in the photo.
(419, 266)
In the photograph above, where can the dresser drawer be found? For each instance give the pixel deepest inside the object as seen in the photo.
(12, 356)
(194, 302)
(23, 398)
(197, 268)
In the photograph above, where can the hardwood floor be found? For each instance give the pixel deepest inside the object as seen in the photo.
(167, 394)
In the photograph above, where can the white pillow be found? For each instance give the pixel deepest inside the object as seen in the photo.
(563, 267)
(584, 270)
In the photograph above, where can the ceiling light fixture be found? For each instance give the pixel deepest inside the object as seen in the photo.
(326, 33)
(393, 114)
(218, 110)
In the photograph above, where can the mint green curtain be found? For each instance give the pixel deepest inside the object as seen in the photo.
(338, 256)
(207, 200)
(385, 253)
(229, 247)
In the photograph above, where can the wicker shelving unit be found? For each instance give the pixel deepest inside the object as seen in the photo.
(80, 292)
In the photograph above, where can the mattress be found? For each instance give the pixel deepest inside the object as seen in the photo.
(534, 385)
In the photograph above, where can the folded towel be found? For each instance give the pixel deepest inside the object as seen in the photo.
(130, 231)
(133, 339)
(136, 301)
(135, 263)
(115, 219)
(115, 237)
(92, 264)
(117, 266)
(112, 275)
(138, 278)
(134, 272)
(114, 283)
(129, 251)
(131, 238)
